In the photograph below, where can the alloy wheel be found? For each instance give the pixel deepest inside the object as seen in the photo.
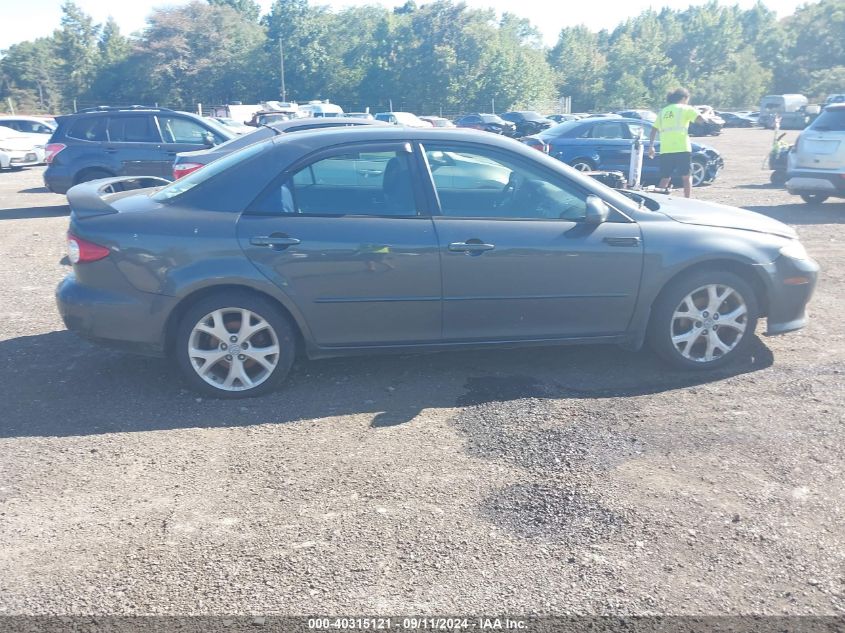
(709, 323)
(697, 170)
(233, 349)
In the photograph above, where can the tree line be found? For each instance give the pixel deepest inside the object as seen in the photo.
(438, 57)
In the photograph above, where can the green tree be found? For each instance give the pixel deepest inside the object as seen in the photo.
(247, 8)
(579, 66)
(77, 52)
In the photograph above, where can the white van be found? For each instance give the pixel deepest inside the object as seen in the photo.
(772, 106)
(321, 109)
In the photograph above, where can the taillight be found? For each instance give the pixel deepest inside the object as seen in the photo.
(183, 169)
(81, 251)
(52, 150)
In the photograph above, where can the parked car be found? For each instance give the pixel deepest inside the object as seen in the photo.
(816, 164)
(643, 115)
(360, 115)
(265, 117)
(188, 162)
(528, 122)
(560, 118)
(28, 124)
(32, 141)
(234, 126)
(407, 119)
(438, 121)
(136, 141)
(18, 150)
(274, 250)
(603, 144)
(603, 115)
(801, 118)
(487, 123)
(736, 119)
(712, 125)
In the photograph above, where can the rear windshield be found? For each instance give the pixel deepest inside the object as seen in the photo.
(830, 120)
(198, 177)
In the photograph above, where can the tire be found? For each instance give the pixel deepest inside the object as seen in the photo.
(583, 164)
(87, 175)
(698, 173)
(245, 373)
(690, 342)
(778, 177)
(814, 198)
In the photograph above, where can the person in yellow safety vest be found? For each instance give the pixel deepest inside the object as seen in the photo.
(675, 147)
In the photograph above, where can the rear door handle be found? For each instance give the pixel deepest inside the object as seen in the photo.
(270, 240)
(470, 247)
(622, 241)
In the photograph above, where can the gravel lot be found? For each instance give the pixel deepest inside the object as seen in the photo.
(554, 481)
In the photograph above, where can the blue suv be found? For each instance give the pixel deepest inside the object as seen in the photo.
(136, 141)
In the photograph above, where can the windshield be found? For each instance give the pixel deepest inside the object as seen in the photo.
(198, 177)
(830, 120)
(491, 118)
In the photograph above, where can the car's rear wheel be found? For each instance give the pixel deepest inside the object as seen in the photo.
(698, 173)
(704, 320)
(814, 198)
(234, 345)
(87, 175)
(583, 164)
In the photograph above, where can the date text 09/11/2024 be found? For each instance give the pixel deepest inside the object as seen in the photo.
(416, 624)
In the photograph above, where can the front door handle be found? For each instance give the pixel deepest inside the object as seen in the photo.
(622, 241)
(273, 240)
(470, 247)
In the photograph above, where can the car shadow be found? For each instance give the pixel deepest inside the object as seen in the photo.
(801, 213)
(56, 384)
(765, 185)
(31, 213)
(35, 190)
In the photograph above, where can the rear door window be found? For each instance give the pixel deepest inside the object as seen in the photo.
(88, 129)
(133, 129)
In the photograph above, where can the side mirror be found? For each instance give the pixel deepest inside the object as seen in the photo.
(597, 210)
(208, 139)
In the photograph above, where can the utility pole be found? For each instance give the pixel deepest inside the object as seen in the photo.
(282, 66)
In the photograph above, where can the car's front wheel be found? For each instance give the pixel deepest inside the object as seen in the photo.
(814, 198)
(583, 164)
(704, 320)
(698, 173)
(234, 345)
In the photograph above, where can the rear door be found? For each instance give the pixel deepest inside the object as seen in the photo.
(341, 235)
(613, 143)
(134, 144)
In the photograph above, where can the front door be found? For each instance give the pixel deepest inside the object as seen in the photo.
(181, 134)
(341, 236)
(519, 261)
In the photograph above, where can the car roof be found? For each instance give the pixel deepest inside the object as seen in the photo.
(336, 121)
(310, 140)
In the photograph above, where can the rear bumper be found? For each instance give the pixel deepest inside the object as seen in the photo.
(808, 181)
(58, 179)
(791, 285)
(133, 321)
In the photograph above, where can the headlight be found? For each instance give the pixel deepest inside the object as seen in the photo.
(794, 250)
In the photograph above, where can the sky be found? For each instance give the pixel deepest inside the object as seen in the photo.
(27, 19)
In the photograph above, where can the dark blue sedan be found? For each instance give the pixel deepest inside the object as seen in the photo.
(605, 144)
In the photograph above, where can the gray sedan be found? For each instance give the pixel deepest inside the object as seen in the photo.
(361, 240)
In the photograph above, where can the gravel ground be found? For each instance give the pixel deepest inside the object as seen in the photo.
(555, 481)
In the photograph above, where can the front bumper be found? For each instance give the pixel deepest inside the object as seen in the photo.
(23, 158)
(134, 321)
(791, 284)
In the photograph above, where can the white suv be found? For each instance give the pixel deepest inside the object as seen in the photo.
(816, 167)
